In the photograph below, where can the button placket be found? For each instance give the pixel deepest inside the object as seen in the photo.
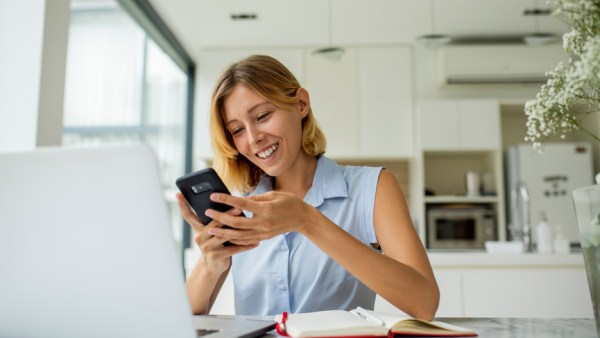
(282, 282)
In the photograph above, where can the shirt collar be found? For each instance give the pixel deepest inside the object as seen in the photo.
(328, 182)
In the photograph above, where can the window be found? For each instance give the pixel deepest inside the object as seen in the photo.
(122, 88)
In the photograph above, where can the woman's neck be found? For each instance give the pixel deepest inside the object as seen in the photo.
(298, 178)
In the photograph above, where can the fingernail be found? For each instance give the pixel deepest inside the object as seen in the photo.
(212, 231)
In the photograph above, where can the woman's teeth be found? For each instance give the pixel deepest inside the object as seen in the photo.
(268, 152)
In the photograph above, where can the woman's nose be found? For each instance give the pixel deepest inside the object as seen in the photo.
(255, 135)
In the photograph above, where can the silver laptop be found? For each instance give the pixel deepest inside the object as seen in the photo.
(86, 250)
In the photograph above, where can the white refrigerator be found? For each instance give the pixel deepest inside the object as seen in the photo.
(549, 178)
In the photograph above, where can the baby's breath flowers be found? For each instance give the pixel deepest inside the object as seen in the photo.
(573, 88)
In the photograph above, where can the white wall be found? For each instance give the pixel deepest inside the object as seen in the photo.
(33, 39)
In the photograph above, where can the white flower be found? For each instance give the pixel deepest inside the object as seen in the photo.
(573, 89)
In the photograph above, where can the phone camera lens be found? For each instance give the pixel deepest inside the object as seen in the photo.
(201, 187)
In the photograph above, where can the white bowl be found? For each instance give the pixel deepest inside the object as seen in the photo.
(498, 247)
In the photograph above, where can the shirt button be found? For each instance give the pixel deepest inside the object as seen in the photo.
(284, 248)
(283, 287)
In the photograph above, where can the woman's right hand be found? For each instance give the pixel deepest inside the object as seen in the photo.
(215, 256)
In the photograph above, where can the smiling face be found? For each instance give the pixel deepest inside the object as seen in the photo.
(266, 143)
(267, 135)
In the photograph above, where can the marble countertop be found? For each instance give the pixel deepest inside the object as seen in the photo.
(527, 327)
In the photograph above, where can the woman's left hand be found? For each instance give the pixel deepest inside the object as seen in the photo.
(273, 213)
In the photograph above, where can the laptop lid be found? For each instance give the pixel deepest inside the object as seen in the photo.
(86, 248)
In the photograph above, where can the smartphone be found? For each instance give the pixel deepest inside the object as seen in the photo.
(196, 187)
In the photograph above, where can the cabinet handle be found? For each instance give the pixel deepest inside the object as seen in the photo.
(244, 16)
(537, 12)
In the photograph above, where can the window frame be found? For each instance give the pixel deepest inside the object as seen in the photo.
(150, 21)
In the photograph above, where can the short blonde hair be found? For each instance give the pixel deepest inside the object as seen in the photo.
(276, 84)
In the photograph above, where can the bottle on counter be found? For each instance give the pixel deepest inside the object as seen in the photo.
(487, 184)
(545, 240)
(561, 243)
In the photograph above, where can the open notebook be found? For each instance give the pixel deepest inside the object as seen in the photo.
(86, 249)
(363, 323)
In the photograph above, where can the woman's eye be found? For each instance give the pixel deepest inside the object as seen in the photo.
(263, 116)
(236, 131)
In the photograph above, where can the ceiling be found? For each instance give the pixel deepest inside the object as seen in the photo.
(198, 23)
(182, 19)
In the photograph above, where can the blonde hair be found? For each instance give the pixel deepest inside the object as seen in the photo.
(276, 84)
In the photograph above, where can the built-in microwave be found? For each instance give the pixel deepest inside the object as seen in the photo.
(460, 227)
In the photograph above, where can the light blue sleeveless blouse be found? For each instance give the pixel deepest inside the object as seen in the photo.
(290, 273)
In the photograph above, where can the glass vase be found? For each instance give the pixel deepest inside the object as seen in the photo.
(587, 209)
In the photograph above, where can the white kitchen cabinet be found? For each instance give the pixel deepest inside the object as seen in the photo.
(385, 102)
(364, 101)
(333, 90)
(510, 291)
(451, 293)
(493, 18)
(541, 293)
(210, 66)
(459, 125)
(451, 297)
(369, 22)
(477, 284)
(275, 23)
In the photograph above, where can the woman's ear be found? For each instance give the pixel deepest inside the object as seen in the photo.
(303, 101)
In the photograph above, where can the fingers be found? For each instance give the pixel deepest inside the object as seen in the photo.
(230, 218)
(235, 249)
(187, 213)
(243, 203)
(268, 196)
(237, 236)
(212, 247)
(235, 212)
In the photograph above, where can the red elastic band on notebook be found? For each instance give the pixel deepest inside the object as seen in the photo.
(280, 327)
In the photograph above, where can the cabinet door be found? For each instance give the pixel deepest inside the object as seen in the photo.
(385, 101)
(539, 293)
(438, 125)
(369, 22)
(451, 294)
(482, 17)
(459, 125)
(333, 90)
(479, 124)
(276, 23)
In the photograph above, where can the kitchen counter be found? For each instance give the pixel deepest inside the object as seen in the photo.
(483, 259)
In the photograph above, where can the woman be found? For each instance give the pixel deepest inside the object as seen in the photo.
(311, 238)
